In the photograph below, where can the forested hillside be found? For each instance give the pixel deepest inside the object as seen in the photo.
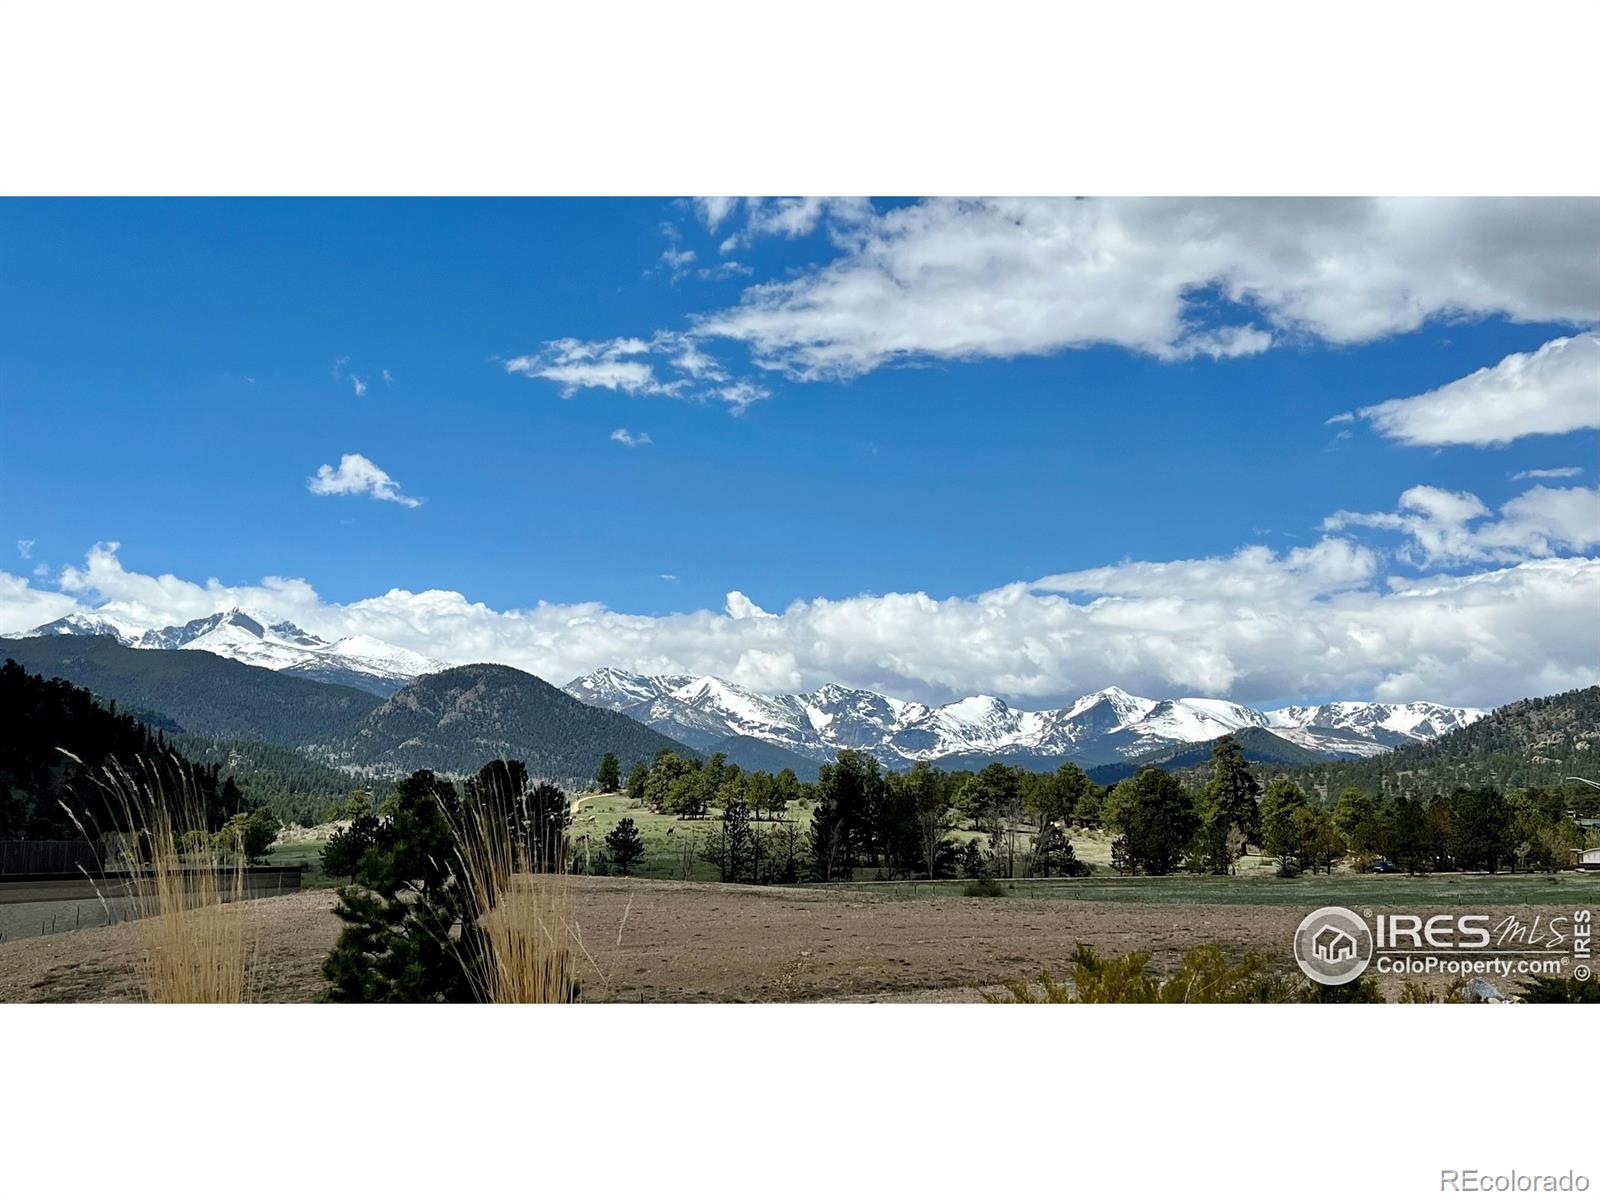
(55, 739)
(285, 781)
(198, 692)
(1531, 743)
(457, 720)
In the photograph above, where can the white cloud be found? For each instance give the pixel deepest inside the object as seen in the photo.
(724, 270)
(959, 279)
(1550, 473)
(667, 578)
(22, 606)
(1255, 625)
(714, 210)
(630, 439)
(740, 395)
(630, 364)
(1449, 528)
(388, 377)
(1554, 389)
(358, 475)
(676, 259)
(359, 384)
(616, 364)
(695, 362)
(25, 547)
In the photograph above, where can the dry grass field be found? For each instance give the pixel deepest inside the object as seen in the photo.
(655, 940)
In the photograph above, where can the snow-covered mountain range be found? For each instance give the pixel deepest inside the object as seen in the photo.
(364, 662)
(1103, 727)
(1108, 726)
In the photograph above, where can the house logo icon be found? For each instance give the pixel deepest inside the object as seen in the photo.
(1333, 945)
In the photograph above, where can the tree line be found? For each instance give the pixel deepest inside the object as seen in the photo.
(901, 824)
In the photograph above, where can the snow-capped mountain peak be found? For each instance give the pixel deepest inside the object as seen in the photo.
(83, 625)
(1105, 726)
(1388, 724)
(278, 645)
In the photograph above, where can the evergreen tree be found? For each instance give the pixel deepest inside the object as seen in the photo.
(785, 792)
(851, 787)
(1482, 829)
(1233, 789)
(1358, 818)
(637, 777)
(396, 944)
(608, 777)
(1053, 854)
(625, 845)
(827, 841)
(1156, 817)
(1409, 840)
(343, 852)
(1283, 827)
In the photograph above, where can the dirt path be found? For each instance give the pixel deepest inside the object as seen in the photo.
(700, 942)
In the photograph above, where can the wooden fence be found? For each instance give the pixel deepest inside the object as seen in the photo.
(42, 857)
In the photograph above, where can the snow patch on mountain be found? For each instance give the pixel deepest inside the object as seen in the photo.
(1104, 726)
(359, 661)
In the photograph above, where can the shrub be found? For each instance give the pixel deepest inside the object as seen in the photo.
(1560, 991)
(1204, 977)
(984, 886)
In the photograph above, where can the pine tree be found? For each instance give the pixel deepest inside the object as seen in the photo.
(1283, 824)
(608, 778)
(1233, 789)
(1157, 819)
(396, 944)
(637, 777)
(625, 845)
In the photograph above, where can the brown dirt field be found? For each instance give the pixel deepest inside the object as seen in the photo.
(712, 942)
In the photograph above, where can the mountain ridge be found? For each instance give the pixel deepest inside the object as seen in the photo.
(359, 661)
(1103, 727)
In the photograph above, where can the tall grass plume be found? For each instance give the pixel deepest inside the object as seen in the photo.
(519, 947)
(178, 880)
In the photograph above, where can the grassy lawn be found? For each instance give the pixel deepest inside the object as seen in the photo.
(665, 837)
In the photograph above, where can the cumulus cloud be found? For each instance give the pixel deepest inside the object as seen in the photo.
(630, 440)
(25, 547)
(1256, 625)
(954, 279)
(1173, 279)
(359, 385)
(358, 475)
(1442, 527)
(1554, 389)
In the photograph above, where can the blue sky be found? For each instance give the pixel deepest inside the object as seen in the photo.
(174, 372)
